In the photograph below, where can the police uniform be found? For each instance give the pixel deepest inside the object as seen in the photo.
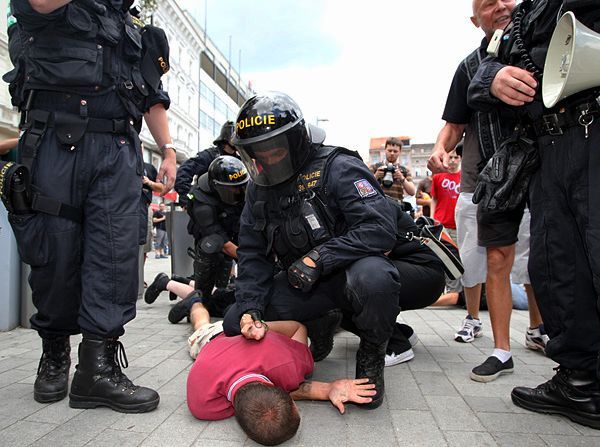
(319, 203)
(198, 165)
(565, 213)
(212, 223)
(84, 77)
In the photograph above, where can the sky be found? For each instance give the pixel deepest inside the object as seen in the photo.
(369, 68)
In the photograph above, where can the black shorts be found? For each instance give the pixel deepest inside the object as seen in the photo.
(498, 228)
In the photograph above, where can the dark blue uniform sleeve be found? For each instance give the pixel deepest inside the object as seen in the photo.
(197, 165)
(159, 97)
(479, 96)
(255, 271)
(351, 190)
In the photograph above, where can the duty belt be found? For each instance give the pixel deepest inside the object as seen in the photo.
(564, 118)
(94, 125)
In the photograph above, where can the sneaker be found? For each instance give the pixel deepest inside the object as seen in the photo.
(183, 308)
(536, 339)
(491, 369)
(399, 348)
(409, 333)
(470, 329)
(158, 285)
(395, 359)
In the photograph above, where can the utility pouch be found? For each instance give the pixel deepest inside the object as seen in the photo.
(69, 128)
(504, 181)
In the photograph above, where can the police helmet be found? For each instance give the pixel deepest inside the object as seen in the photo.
(273, 139)
(225, 135)
(228, 176)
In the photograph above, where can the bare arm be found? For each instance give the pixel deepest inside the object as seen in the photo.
(447, 139)
(158, 125)
(154, 186)
(338, 392)
(7, 145)
(432, 209)
(409, 187)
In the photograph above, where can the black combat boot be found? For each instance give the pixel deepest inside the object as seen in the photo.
(571, 393)
(370, 361)
(52, 382)
(321, 331)
(99, 381)
(158, 285)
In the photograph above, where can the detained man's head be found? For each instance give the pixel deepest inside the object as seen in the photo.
(490, 15)
(266, 413)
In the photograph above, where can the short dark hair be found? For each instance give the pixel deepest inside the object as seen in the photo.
(393, 141)
(266, 413)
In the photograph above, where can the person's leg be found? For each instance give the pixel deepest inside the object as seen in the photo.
(563, 264)
(181, 290)
(499, 299)
(372, 297)
(474, 260)
(498, 232)
(109, 276)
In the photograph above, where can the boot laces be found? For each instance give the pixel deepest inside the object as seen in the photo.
(119, 359)
(53, 359)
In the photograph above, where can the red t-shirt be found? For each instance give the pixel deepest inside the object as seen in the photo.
(445, 188)
(227, 363)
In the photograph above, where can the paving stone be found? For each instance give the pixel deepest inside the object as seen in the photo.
(435, 384)
(112, 438)
(177, 430)
(526, 423)
(5, 421)
(24, 433)
(453, 413)
(518, 439)
(462, 439)
(417, 428)
(370, 435)
(571, 441)
(56, 413)
(226, 430)
(148, 422)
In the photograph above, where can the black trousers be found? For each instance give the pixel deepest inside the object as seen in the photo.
(211, 270)
(84, 277)
(564, 261)
(370, 292)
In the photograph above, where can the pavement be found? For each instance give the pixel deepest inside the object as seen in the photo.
(430, 401)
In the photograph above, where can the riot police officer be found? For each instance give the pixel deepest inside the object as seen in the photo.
(85, 77)
(318, 214)
(198, 165)
(214, 206)
(564, 201)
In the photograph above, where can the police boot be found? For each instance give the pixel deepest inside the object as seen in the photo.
(52, 380)
(370, 361)
(571, 393)
(99, 381)
(321, 331)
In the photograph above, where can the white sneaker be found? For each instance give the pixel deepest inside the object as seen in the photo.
(395, 359)
(536, 339)
(469, 330)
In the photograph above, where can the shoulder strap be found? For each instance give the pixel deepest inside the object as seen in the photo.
(471, 63)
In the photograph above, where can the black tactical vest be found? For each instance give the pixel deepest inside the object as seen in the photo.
(223, 215)
(294, 217)
(85, 52)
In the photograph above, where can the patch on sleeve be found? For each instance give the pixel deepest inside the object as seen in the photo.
(364, 188)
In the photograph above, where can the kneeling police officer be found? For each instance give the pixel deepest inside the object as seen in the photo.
(317, 213)
(84, 76)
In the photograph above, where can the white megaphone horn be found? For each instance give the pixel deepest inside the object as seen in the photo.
(573, 60)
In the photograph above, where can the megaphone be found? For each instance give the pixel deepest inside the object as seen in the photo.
(573, 60)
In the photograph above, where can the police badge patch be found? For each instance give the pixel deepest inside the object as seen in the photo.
(364, 188)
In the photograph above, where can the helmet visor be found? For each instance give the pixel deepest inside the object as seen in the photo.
(232, 195)
(275, 160)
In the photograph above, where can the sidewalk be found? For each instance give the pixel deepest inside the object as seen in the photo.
(430, 401)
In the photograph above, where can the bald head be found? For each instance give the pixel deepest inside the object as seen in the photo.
(490, 15)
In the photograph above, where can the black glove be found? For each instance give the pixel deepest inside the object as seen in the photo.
(303, 277)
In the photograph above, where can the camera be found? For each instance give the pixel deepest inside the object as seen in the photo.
(388, 176)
